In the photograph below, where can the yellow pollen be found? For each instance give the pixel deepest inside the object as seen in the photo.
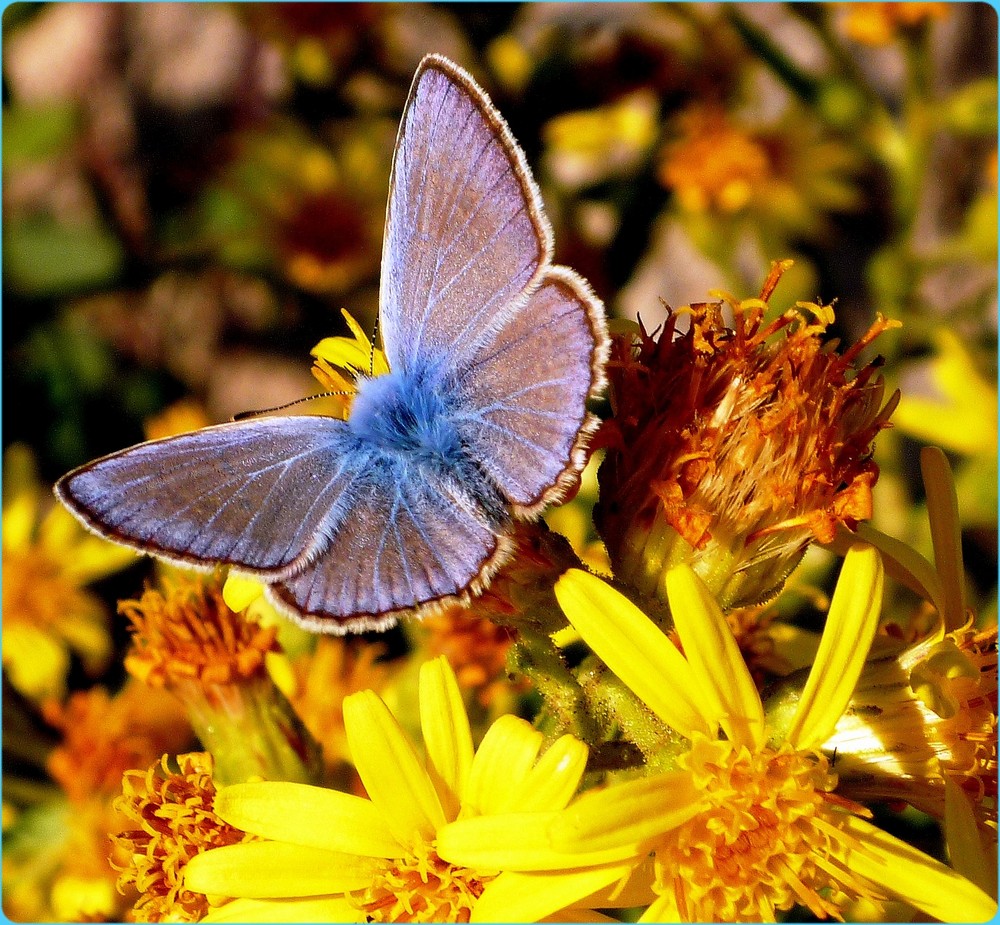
(174, 820)
(422, 888)
(764, 841)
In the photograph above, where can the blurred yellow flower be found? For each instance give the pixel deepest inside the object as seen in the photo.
(785, 176)
(56, 860)
(179, 418)
(588, 147)
(714, 165)
(331, 856)
(946, 401)
(879, 23)
(48, 559)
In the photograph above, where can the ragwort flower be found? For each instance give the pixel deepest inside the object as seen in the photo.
(187, 639)
(732, 448)
(926, 715)
(48, 560)
(173, 818)
(332, 856)
(748, 823)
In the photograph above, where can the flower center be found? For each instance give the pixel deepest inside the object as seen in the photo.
(759, 845)
(422, 888)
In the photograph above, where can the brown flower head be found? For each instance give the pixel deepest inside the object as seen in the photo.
(732, 448)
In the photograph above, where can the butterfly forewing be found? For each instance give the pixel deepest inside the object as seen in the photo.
(263, 494)
(465, 234)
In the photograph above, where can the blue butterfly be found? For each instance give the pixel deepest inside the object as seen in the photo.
(494, 354)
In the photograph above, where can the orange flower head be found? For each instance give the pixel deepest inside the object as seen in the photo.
(733, 447)
(187, 633)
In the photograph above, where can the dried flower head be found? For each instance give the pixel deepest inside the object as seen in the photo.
(732, 448)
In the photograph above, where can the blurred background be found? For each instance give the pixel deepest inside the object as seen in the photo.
(192, 192)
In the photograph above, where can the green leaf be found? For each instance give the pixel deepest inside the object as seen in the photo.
(44, 258)
(37, 133)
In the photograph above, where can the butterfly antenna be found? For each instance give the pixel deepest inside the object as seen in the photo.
(243, 415)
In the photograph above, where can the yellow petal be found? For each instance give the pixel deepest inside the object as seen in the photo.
(83, 557)
(906, 565)
(327, 909)
(635, 649)
(847, 636)
(634, 890)
(627, 816)
(553, 781)
(311, 816)
(502, 763)
(19, 521)
(579, 916)
(961, 412)
(276, 870)
(34, 662)
(915, 877)
(390, 769)
(528, 897)
(86, 633)
(720, 671)
(239, 591)
(516, 841)
(446, 732)
(966, 850)
(946, 533)
(663, 909)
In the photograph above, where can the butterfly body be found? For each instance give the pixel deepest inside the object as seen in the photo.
(482, 419)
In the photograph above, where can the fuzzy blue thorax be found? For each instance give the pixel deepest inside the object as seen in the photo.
(405, 411)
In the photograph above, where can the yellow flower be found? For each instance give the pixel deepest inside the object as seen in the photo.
(879, 23)
(747, 824)
(56, 864)
(174, 820)
(926, 716)
(186, 638)
(950, 404)
(588, 147)
(332, 856)
(714, 165)
(732, 448)
(786, 176)
(48, 559)
(356, 355)
(319, 681)
(181, 417)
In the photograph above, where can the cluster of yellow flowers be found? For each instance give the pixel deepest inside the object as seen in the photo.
(661, 774)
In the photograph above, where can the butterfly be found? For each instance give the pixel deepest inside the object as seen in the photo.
(494, 354)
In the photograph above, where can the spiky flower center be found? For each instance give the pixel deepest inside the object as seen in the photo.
(421, 887)
(764, 841)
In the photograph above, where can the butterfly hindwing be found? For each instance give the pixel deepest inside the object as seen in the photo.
(526, 392)
(465, 234)
(412, 537)
(263, 494)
